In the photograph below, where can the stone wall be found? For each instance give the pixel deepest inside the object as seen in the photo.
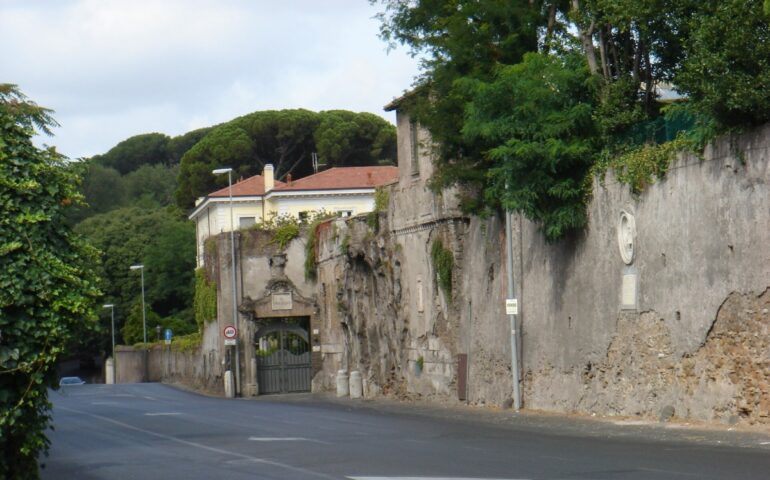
(688, 332)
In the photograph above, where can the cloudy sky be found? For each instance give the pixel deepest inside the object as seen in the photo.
(116, 68)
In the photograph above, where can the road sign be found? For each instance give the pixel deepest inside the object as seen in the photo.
(168, 335)
(511, 306)
(230, 332)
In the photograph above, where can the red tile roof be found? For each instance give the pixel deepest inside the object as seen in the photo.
(245, 188)
(343, 178)
(333, 179)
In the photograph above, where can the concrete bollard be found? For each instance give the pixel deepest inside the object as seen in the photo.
(343, 388)
(109, 371)
(356, 385)
(229, 385)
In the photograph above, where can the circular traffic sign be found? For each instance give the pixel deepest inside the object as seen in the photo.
(230, 331)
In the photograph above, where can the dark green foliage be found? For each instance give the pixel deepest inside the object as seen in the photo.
(205, 303)
(161, 241)
(344, 138)
(443, 263)
(537, 118)
(150, 186)
(476, 74)
(47, 286)
(132, 153)
(286, 139)
(178, 146)
(726, 72)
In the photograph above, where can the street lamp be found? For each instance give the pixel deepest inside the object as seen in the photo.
(144, 316)
(229, 172)
(112, 308)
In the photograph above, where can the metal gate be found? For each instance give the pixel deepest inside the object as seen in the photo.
(283, 356)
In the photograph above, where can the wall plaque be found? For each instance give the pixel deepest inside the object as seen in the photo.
(281, 301)
(626, 236)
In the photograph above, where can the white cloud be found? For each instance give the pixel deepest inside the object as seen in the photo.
(115, 68)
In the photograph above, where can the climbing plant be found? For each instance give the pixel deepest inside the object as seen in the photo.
(47, 287)
(205, 301)
(443, 263)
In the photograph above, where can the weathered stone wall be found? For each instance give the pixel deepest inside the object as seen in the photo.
(200, 369)
(702, 241)
(695, 338)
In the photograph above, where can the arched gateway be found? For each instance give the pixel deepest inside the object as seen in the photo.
(280, 353)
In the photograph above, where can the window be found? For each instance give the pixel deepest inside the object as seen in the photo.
(345, 213)
(246, 222)
(303, 216)
(414, 144)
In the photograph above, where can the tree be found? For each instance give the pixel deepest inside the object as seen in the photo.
(537, 117)
(150, 186)
(726, 73)
(102, 187)
(132, 153)
(286, 139)
(157, 238)
(344, 138)
(47, 288)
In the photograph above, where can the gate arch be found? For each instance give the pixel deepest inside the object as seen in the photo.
(283, 353)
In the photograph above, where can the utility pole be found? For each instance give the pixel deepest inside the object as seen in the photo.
(512, 310)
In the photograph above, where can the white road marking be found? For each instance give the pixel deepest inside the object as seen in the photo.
(764, 443)
(105, 403)
(277, 439)
(286, 439)
(203, 447)
(161, 414)
(429, 478)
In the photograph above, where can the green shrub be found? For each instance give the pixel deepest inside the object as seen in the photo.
(205, 301)
(381, 200)
(186, 343)
(443, 263)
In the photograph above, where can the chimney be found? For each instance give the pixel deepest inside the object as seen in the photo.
(288, 178)
(267, 174)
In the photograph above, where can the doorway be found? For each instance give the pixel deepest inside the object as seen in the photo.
(282, 349)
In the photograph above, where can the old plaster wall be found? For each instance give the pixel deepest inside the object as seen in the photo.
(702, 243)
(694, 342)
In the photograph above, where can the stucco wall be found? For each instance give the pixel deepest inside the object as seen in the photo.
(697, 340)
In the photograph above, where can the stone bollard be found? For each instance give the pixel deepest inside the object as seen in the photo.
(109, 372)
(356, 385)
(343, 387)
(229, 385)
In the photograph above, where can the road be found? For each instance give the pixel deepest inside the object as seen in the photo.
(153, 431)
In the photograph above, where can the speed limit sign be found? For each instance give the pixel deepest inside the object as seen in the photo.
(230, 334)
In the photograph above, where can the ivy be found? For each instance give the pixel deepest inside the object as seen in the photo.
(48, 286)
(443, 263)
(381, 198)
(311, 267)
(205, 302)
(186, 343)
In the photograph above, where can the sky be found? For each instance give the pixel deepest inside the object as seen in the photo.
(111, 69)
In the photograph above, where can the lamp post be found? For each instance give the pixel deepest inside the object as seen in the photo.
(144, 322)
(229, 172)
(112, 311)
(144, 316)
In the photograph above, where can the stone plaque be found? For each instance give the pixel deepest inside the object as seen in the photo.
(626, 237)
(281, 301)
(628, 291)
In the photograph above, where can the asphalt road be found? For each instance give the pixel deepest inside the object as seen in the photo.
(153, 431)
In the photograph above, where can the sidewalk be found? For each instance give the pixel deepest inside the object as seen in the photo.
(571, 425)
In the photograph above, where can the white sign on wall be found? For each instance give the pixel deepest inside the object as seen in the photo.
(281, 301)
(511, 306)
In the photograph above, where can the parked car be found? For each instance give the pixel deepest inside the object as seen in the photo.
(67, 381)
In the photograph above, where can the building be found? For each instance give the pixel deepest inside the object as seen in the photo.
(344, 190)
